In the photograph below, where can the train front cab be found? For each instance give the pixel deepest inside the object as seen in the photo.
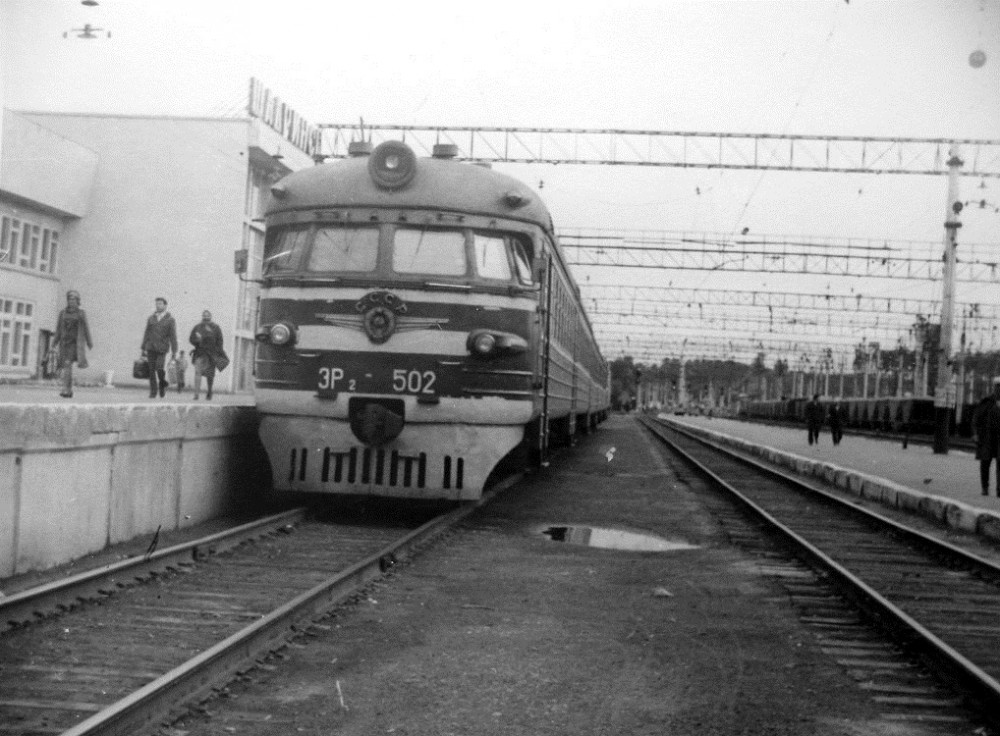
(415, 382)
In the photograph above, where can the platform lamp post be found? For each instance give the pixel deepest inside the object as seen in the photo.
(942, 408)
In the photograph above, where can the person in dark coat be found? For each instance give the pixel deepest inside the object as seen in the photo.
(159, 338)
(814, 418)
(72, 340)
(986, 421)
(836, 423)
(208, 354)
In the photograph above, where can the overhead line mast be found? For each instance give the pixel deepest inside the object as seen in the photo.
(684, 149)
(713, 150)
(865, 258)
(608, 294)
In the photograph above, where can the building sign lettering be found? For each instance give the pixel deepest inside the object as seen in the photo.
(283, 120)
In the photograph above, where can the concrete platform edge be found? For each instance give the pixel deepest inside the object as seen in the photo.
(76, 478)
(955, 514)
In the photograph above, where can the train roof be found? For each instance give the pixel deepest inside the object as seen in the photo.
(429, 183)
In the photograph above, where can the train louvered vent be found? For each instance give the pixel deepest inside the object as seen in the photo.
(297, 463)
(368, 466)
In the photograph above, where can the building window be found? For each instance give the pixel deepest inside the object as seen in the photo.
(10, 238)
(31, 237)
(28, 245)
(15, 332)
(50, 244)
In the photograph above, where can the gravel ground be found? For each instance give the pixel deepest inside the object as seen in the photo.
(496, 629)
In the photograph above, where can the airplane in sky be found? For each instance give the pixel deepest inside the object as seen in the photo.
(88, 31)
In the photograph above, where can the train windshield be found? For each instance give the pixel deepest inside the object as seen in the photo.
(409, 252)
(491, 257)
(283, 252)
(435, 252)
(344, 249)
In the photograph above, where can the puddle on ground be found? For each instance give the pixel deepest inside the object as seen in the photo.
(589, 536)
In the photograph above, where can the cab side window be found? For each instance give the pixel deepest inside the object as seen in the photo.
(522, 263)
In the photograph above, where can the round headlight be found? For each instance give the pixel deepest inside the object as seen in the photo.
(484, 343)
(392, 165)
(280, 334)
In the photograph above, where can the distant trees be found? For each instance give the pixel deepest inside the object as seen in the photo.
(874, 371)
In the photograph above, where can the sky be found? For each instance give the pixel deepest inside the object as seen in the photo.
(803, 67)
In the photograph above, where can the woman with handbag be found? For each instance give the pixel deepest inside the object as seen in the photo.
(72, 340)
(208, 354)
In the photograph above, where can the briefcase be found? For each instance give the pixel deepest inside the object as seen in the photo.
(140, 368)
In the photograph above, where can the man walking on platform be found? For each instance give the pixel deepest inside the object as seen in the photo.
(159, 337)
(836, 423)
(987, 424)
(814, 418)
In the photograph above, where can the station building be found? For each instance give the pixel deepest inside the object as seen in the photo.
(125, 209)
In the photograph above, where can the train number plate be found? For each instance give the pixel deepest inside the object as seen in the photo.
(331, 380)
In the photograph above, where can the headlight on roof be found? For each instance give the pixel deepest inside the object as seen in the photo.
(392, 165)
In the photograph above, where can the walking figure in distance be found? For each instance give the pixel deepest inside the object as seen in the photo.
(986, 421)
(208, 354)
(836, 423)
(159, 338)
(72, 340)
(814, 418)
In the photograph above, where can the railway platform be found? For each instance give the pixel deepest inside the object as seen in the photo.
(48, 393)
(945, 487)
(111, 464)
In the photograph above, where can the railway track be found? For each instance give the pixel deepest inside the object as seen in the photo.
(936, 602)
(118, 650)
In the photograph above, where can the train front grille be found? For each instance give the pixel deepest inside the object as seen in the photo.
(371, 466)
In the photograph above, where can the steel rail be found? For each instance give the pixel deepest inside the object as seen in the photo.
(196, 677)
(30, 604)
(983, 688)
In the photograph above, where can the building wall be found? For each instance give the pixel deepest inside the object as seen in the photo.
(143, 207)
(166, 215)
(39, 165)
(45, 181)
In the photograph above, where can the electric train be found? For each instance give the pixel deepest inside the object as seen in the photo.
(417, 325)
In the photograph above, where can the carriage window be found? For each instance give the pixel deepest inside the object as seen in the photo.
(283, 251)
(438, 252)
(344, 249)
(491, 257)
(522, 263)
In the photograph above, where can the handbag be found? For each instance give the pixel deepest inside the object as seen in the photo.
(172, 370)
(140, 368)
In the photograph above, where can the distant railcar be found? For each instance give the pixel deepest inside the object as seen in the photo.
(882, 415)
(417, 324)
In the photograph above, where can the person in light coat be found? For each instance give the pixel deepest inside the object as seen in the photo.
(72, 340)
